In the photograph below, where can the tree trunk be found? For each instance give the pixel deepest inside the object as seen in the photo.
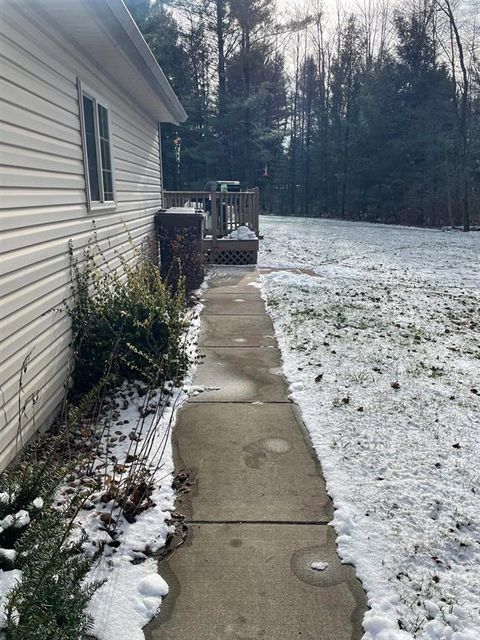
(461, 104)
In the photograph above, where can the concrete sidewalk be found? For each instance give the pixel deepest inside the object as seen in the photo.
(258, 510)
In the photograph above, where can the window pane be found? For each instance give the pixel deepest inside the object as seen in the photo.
(103, 122)
(88, 117)
(107, 185)
(105, 152)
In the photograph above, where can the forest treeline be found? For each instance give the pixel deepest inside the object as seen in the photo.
(371, 115)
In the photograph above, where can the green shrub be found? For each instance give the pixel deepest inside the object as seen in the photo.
(126, 323)
(28, 483)
(33, 478)
(50, 600)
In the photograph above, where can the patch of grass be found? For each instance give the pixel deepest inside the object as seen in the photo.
(339, 315)
(48, 600)
(273, 302)
(307, 314)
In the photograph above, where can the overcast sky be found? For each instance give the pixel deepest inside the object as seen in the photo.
(329, 4)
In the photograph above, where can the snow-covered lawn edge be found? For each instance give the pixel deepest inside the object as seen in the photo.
(379, 340)
(132, 589)
(355, 544)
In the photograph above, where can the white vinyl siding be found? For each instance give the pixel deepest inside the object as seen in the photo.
(43, 204)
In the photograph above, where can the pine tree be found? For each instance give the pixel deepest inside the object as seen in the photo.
(362, 121)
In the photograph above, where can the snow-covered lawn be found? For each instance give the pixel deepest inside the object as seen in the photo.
(380, 337)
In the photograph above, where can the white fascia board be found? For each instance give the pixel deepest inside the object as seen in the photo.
(146, 62)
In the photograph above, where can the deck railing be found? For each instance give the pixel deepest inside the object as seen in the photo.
(225, 212)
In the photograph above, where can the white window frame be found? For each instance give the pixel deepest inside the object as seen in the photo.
(101, 205)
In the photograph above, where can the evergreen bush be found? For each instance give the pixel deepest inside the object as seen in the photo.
(126, 323)
(50, 600)
(24, 488)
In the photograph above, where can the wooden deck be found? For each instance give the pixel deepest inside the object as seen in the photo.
(224, 213)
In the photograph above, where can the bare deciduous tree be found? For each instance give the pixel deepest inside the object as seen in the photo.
(461, 100)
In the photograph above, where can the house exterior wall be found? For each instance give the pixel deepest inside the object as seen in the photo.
(43, 205)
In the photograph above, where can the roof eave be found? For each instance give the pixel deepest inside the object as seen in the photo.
(150, 68)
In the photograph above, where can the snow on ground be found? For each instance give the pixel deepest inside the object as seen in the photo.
(133, 590)
(380, 337)
(139, 425)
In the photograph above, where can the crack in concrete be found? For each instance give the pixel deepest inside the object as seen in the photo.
(321, 523)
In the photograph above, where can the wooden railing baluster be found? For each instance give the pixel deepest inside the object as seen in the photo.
(228, 210)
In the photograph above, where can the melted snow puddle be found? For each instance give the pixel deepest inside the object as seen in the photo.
(256, 453)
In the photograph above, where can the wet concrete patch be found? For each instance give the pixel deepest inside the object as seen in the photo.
(258, 453)
(251, 589)
(234, 331)
(240, 375)
(324, 551)
(275, 445)
(232, 305)
(250, 461)
(227, 282)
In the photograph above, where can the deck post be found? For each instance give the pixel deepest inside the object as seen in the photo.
(213, 202)
(256, 209)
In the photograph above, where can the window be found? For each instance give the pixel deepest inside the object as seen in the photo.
(98, 159)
